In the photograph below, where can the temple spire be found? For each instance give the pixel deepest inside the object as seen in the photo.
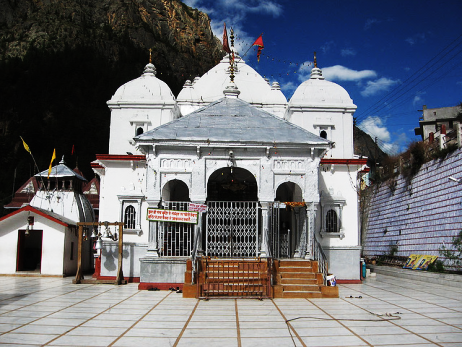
(150, 55)
(315, 61)
(231, 57)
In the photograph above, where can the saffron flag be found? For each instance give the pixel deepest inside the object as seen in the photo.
(72, 153)
(26, 147)
(225, 40)
(53, 157)
(259, 42)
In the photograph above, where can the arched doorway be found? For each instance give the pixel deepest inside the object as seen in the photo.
(232, 184)
(175, 190)
(288, 220)
(232, 223)
(175, 238)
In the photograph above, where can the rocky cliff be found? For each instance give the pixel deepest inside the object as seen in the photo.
(60, 60)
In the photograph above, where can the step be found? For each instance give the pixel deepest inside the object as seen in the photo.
(233, 280)
(295, 269)
(298, 281)
(300, 288)
(300, 275)
(299, 263)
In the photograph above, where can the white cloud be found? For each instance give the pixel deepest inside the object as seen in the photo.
(376, 128)
(348, 52)
(327, 46)
(418, 100)
(288, 88)
(370, 22)
(417, 38)
(234, 14)
(252, 6)
(377, 86)
(342, 73)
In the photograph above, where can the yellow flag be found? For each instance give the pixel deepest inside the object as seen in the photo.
(53, 157)
(26, 147)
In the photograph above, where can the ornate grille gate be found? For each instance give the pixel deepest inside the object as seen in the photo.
(279, 242)
(232, 229)
(176, 239)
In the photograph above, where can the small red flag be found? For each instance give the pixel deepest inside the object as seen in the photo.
(259, 42)
(72, 153)
(225, 40)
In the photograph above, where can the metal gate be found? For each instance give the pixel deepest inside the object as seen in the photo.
(279, 240)
(232, 229)
(175, 239)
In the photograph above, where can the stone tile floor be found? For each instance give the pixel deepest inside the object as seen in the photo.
(54, 312)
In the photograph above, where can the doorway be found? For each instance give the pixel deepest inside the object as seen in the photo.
(233, 213)
(29, 250)
(286, 221)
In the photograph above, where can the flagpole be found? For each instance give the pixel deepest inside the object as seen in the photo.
(261, 35)
(26, 147)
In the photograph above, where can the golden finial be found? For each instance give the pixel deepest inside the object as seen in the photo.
(315, 61)
(150, 55)
(232, 37)
(231, 57)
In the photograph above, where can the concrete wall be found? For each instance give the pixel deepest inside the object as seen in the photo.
(132, 252)
(418, 217)
(52, 244)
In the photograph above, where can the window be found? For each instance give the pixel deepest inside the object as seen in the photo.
(130, 212)
(129, 218)
(323, 134)
(331, 210)
(139, 131)
(331, 221)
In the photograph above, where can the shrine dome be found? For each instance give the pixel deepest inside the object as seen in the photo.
(253, 87)
(317, 92)
(145, 89)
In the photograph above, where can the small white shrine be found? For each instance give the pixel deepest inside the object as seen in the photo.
(41, 237)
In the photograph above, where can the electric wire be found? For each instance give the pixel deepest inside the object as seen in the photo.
(416, 75)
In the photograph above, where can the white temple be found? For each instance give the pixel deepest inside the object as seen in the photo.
(284, 172)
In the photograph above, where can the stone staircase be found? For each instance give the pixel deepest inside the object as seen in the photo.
(300, 279)
(234, 278)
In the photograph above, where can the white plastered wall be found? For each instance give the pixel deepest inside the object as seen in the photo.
(52, 243)
(337, 123)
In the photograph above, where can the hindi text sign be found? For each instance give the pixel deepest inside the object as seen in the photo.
(155, 214)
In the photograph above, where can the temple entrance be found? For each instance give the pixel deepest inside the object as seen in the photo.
(29, 250)
(232, 223)
(175, 239)
(287, 215)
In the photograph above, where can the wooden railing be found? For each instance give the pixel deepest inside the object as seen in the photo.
(248, 278)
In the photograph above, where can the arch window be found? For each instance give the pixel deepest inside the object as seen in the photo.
(331, 221)
(130, 213)
(323, 134)
(139, 131)
(331, 210)
(130, 217)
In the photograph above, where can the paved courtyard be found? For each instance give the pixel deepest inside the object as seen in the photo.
(383, 311)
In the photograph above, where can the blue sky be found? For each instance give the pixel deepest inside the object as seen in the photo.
(392, 57)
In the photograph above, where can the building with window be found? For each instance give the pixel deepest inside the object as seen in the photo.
(230, 170)
(40, 237)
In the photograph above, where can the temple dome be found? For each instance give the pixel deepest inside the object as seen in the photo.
(253, 87)
(145, 89)
(318, 92)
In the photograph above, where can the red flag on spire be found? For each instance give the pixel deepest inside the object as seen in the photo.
(225, 40)
(259, 42)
